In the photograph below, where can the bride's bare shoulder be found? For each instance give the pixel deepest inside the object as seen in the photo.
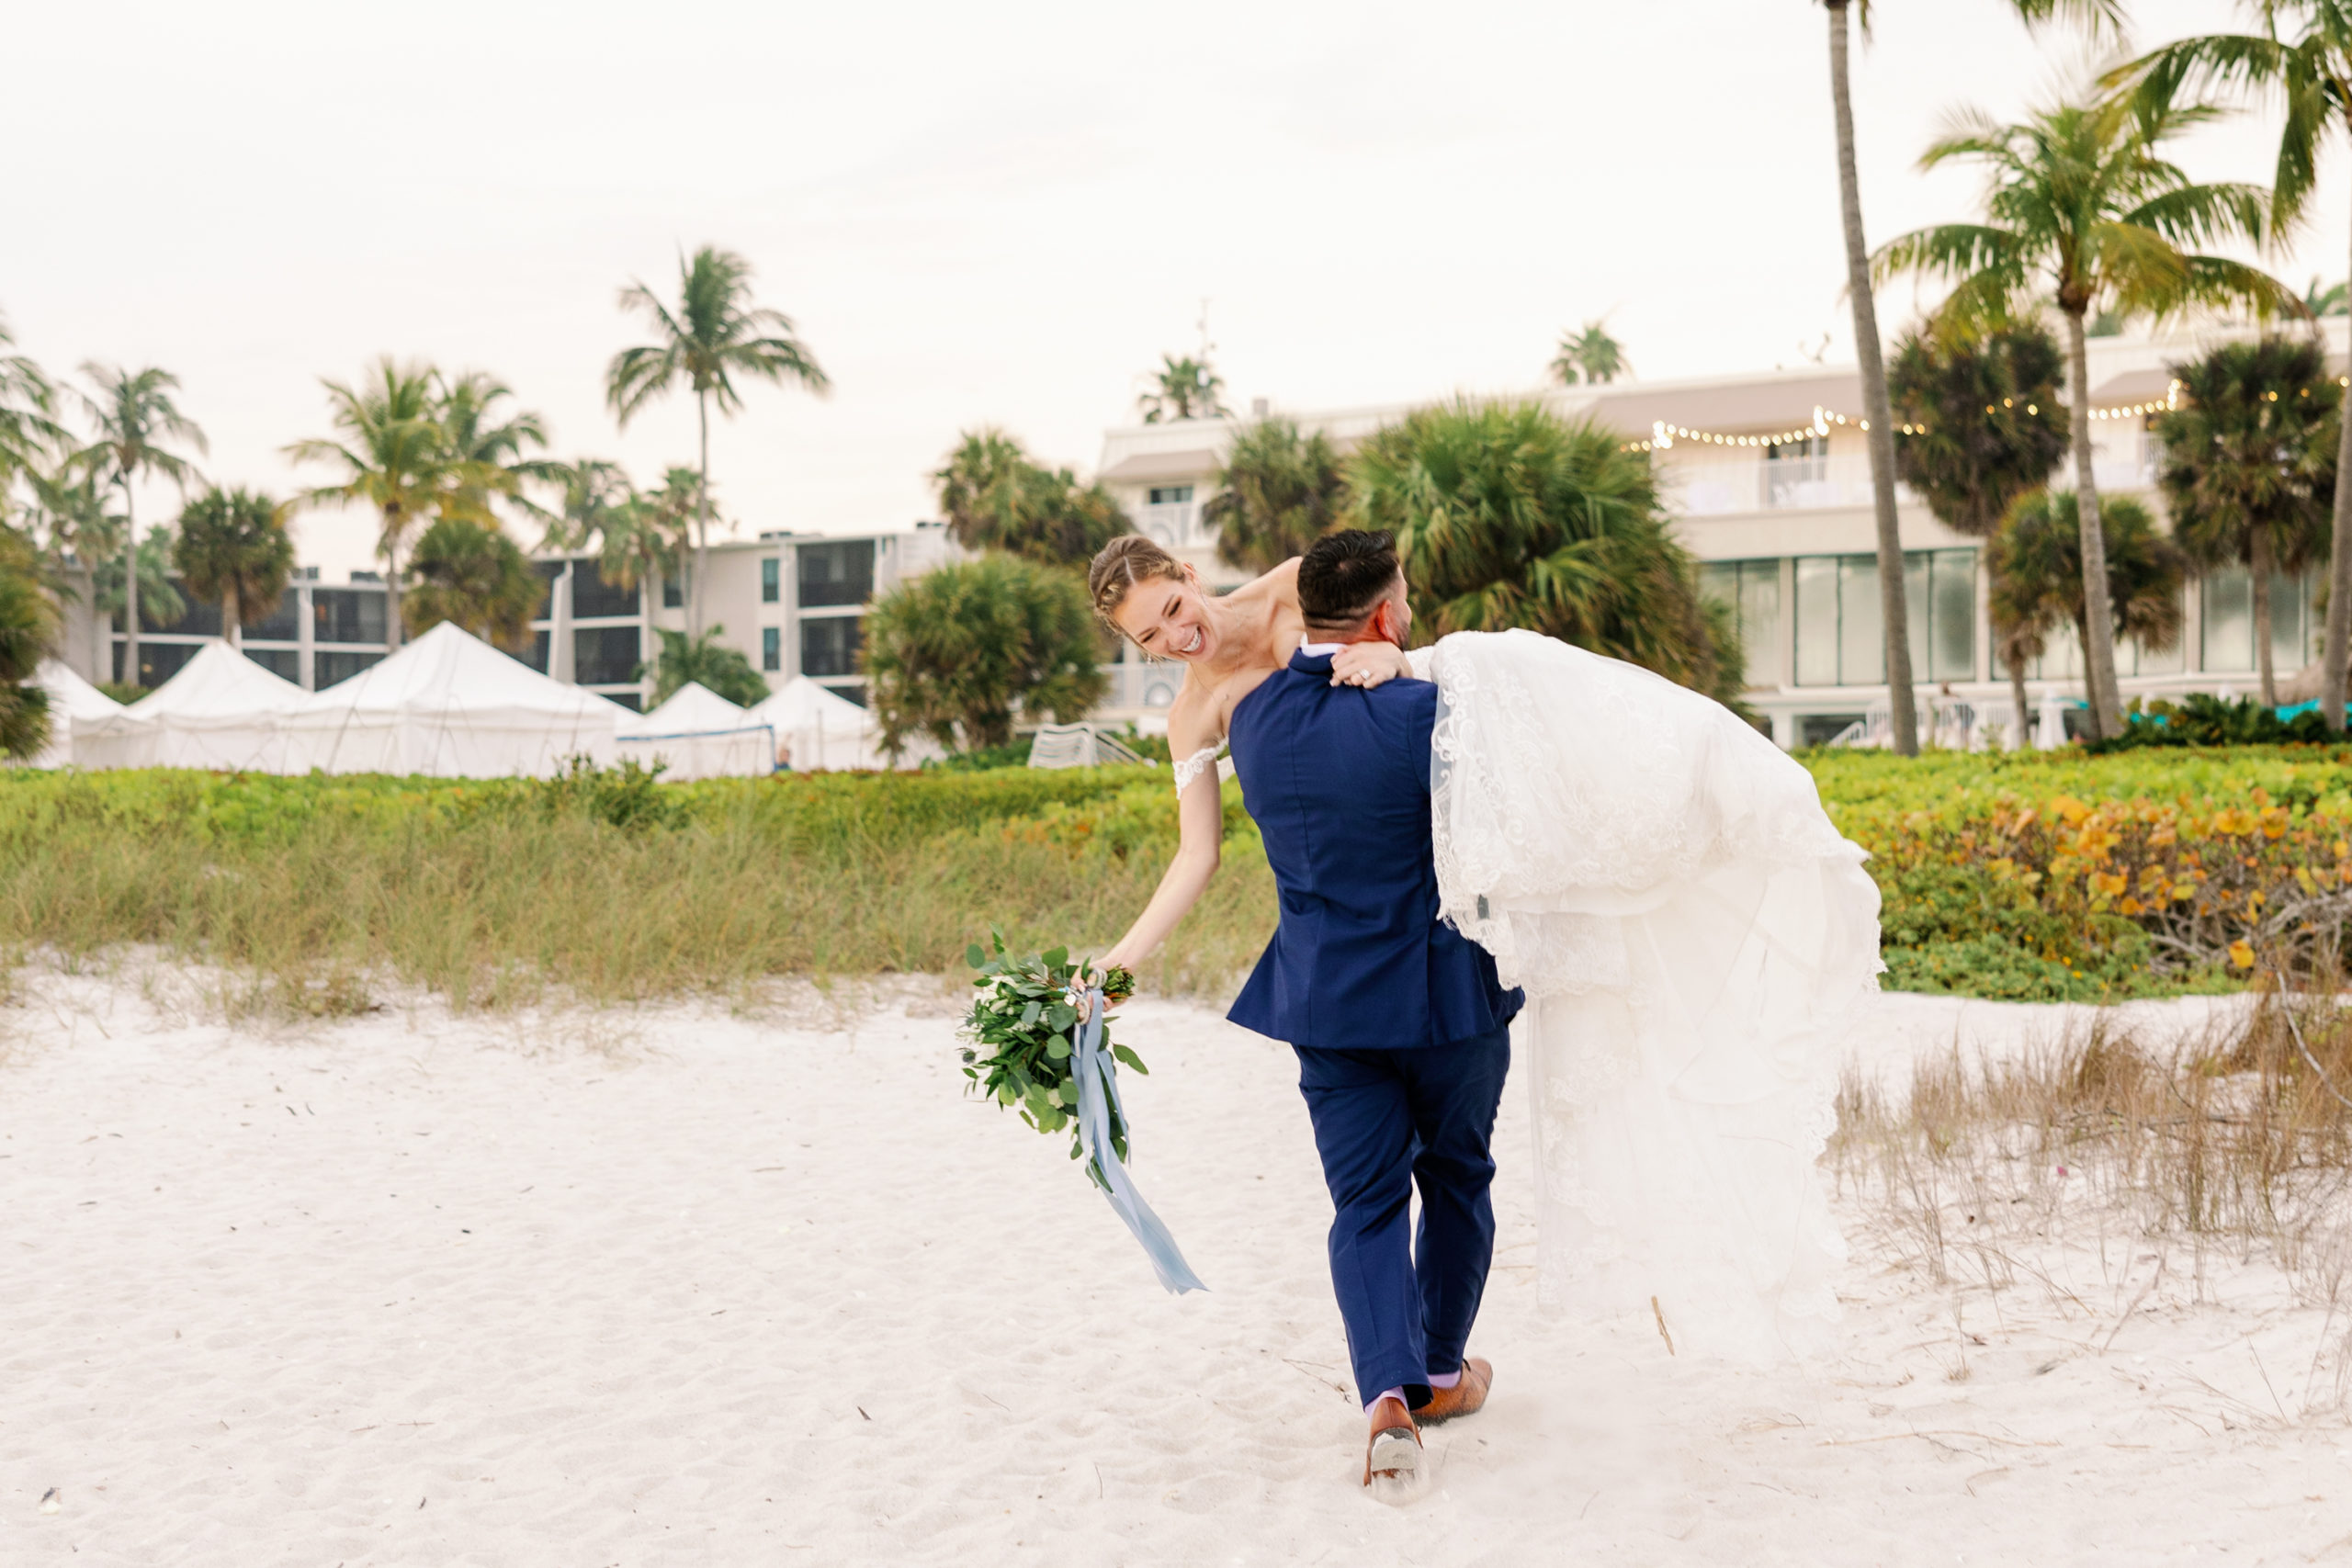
(1279, 585)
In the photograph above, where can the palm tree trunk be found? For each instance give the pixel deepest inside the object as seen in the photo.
(1878, 422)
(2098, 616)
(2021, 729)
(130, 591)
(231, 632)
(2257, 555)
(2338, 651)
(702, 522)
(391, 550)
(101, 628)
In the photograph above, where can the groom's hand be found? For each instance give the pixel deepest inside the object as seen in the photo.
(1370, 664)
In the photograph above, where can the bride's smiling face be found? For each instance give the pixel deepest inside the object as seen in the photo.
(1170, 618)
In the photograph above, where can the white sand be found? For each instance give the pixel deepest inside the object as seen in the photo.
(680, 1287)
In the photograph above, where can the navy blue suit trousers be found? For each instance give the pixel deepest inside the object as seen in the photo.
(1385, 1122)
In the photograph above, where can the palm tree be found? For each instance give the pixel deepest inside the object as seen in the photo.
(68, 511)
(1590, 356)
(2250, 463)
(134, 416)
(27, 402)
(1182, 388)
(1878, 422)
(160, 601)
(2329, 300)
(234, 546)
(394, 456)
(1981, 426)
(996, 497)
(2037, 569)
(589, 494)
(648, 541)
(27, 636)
(1278, 492)
(2082, 205)
(716, 666)
(490, 447)
(469, 572)
(2307, 63)
(956, 652)
(715, 335)
(1506, 515)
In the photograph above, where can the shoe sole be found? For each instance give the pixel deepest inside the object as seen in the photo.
(1398, 1473)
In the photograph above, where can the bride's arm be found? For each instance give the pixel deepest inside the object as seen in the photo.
(1200, 821)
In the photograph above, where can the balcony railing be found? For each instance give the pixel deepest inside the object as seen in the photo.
(1175, 524)
(1704, 486)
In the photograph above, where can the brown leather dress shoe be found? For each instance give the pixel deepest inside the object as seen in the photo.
(1394, 1452)
(1463, 1398)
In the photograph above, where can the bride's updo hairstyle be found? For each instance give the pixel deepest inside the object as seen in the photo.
(1122, 565)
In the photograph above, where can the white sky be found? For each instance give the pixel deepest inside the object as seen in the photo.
(974, 214)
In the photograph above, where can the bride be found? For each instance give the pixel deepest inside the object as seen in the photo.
(1689, 929)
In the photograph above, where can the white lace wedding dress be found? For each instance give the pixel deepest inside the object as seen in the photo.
(1692, 932)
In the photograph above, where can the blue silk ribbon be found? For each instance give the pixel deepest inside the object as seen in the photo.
(1098, 1096)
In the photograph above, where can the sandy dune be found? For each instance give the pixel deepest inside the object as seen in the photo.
(686, 1287)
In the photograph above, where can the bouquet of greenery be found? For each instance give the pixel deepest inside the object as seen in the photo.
(1022, 1034)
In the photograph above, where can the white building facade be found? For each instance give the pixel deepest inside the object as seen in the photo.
(1766, 479)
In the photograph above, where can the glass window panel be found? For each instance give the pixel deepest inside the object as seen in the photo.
(839, 573)
(633, 701)
(282, 662)
(2229, 619)
(829, 645)
(771, 647)
(283, 624)
(673, 591)
(346, 615)
(1817, 620)
(1862, 628)
(849, 691)
(771, 578)
(1759, 621)
(2287, 617)
(2142, 661)
(326, 669)
(604, 656)
(594, 597)
(1719, 579)
(1919, 607)
(200, 618)
(1953, 618)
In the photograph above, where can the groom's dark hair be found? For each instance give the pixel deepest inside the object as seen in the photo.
(1343, 576)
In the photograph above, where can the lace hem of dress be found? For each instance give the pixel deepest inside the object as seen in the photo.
(1192, 767)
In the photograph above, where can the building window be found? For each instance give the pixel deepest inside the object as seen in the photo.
(536, 655)
(1840, 624)
(594, 598)
(771, 583)
(830, 644)
(282, 662)
(674, 588)
(346, 615)
(604, 656)
(548, 572)
(1752, 591)
(1171, 495)
(326, 668)
(2296, 633)
(283, 624)
(839, 573)
(770, 646)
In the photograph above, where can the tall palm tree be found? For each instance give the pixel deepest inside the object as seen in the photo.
(715, 335)
(491, 447)
(1893, 608)
(2302, 56)
(2082, 205)
(2037, 584)
(134, 416)
(28, 634)
(1182, 388)
(1592, 356)
(469, 572)
(1981, 426)
(589, 494)
(2249, 465)
(394, 455)
(68, 512)
(1277, 492)
(1506, 515)
(28, 403)
(234, 546)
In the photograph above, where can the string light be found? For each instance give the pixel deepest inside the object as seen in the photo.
(1664, 436)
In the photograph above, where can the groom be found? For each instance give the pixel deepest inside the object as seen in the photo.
(1401, 1029)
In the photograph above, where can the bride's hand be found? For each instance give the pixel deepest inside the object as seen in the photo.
(1369, 664)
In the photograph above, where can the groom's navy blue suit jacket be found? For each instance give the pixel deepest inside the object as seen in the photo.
(1338, 779)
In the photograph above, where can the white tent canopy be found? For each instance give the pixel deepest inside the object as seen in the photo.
(221, 711)
(698, 733)
(451, 706)
(817, 730)
(73, 704)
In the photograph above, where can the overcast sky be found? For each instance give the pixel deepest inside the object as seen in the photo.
(974, 214)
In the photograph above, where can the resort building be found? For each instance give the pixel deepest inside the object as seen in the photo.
(1768, 480)
(793, 603)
